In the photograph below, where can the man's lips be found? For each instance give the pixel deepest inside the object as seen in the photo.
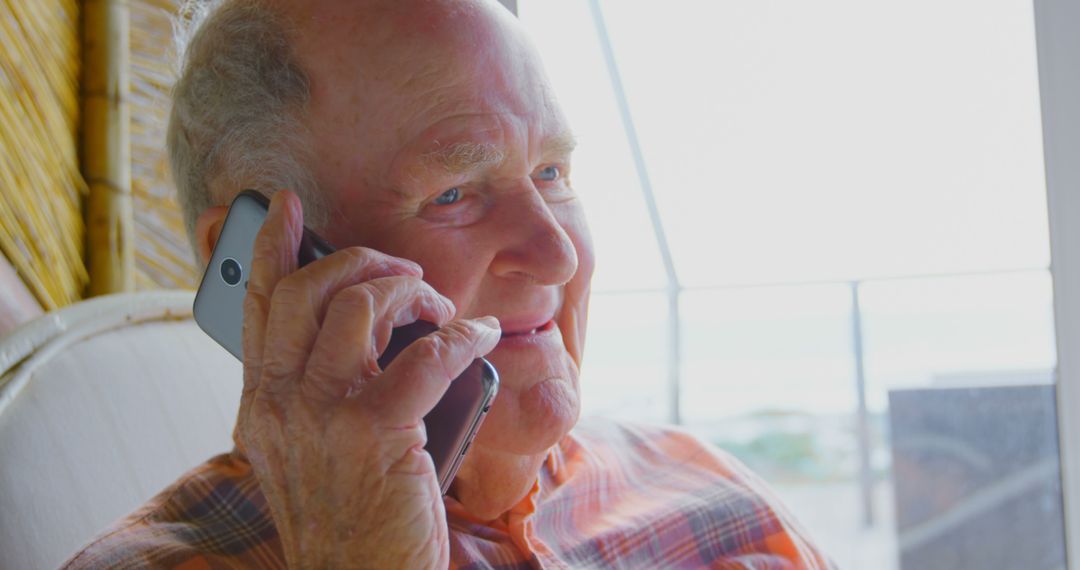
(530, 336)
(528, 329)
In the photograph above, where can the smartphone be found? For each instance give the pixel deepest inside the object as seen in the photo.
(219, 311)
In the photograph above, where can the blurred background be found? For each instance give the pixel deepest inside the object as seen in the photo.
(821, 231)
(822, 244)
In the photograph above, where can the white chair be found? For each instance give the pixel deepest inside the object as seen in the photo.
(102, 405)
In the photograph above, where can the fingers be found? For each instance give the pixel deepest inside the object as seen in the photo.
(416, 380)
(300, 302)
(318, 329)
(283, 305)
(273, 257)
(357, 328)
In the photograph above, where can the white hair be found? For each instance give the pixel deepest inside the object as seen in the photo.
(238, 110)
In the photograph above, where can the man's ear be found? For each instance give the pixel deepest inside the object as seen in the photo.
(207, 230)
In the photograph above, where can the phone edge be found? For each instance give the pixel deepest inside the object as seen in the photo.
(491, 389)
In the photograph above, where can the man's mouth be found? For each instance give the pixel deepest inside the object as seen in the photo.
(542, 328)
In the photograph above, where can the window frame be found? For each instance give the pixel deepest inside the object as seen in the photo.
(1057, 34)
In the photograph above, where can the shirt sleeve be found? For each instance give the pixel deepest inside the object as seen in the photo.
(215, 516)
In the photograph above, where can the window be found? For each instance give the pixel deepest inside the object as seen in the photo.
(821, 233)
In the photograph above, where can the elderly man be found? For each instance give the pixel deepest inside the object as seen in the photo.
(423, 139)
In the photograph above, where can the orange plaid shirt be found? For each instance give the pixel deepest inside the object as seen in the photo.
(609, 496)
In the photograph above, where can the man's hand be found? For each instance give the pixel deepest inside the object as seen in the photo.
(337, 445)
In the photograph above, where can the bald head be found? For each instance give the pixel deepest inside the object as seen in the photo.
(378, 23)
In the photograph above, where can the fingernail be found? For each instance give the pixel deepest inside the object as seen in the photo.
(489, 322)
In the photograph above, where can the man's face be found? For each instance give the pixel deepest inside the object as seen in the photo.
(437, 139)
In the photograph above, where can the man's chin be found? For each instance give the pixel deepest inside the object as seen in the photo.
(531, 422)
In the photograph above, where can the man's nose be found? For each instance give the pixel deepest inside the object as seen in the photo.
(534, 246)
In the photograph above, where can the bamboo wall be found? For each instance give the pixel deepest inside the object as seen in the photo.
(43, 195)
(41, 189)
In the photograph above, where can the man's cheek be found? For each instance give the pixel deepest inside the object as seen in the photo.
(454, 267)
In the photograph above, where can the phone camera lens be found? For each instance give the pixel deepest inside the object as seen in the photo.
(231, 272)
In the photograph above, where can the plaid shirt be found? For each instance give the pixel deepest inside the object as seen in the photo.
(609, 496)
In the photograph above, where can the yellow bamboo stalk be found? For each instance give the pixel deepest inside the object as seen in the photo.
(41, 227)
(106, 147)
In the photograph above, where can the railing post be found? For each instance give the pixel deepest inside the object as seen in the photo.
(862, 417)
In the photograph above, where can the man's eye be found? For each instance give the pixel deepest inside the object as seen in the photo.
(449, 197)
(549, 174)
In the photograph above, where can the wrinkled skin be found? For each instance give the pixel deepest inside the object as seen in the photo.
(337, 444)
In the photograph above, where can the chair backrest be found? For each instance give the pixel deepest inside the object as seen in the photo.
(102, 405)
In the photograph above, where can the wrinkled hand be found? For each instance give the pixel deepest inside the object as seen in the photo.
(337, 445)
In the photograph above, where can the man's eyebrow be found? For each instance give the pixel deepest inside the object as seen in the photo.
(560, 145)
(468, 156)
(463, 157)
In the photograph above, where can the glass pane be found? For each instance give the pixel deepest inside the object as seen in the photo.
(603, 170)
(960, 369)
(838, 139)
(825, 142)
(977, 478)
(769, 375)
(625, 370)
(957, 332)
(774, 350)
